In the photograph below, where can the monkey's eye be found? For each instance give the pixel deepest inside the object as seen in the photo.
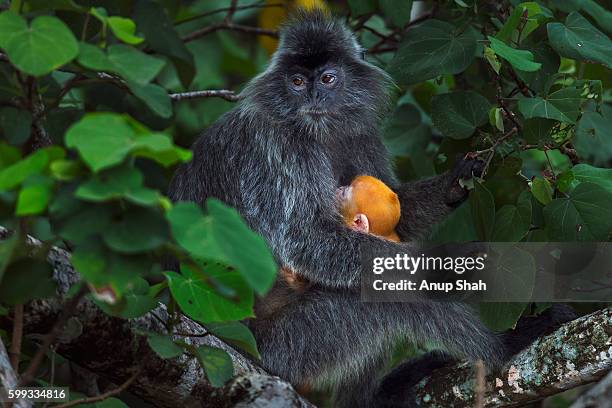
(297, 81)
(328, 78)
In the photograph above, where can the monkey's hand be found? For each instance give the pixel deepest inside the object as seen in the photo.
(465, 169)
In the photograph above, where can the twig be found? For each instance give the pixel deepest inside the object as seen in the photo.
(220, 93)
(226, 9)
(15, 351)
(225, 25)
(65, 314)
(231, 11)
(491, 150)
(103, 396)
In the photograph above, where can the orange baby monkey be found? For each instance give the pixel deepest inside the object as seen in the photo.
(367, 205)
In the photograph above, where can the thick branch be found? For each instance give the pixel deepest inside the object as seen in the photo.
(114, 348)
(577, 353)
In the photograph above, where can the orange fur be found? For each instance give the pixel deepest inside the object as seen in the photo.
(373, 198)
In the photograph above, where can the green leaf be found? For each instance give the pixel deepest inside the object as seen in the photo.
(585, 215)
(562, 105)
(519, 59)
(397, 10)
(94, 58)
(134, 65)
(458, 114)
(96, 218)
(542, 190)
(404, 131)
(579, 40)
(124, 29)
(16, 124)
(512, 222)
(535, 14)
(163, 38)
(201, 301)
(164, 346)
(136, 230)
(11, 23)
(34, 196)
(224, 236)
(541, 80)
(592, 139)
(128, 62)
(105, 139)
(360, 7)
(492, 59)
(566, 181)
(457, 227)
(430, 49)
(585, 173)
(483, 210)
(39, 49)
(102, 139)
(237, 334)
(217, 364)
(123, 182)
(154, 96)
(500, 316)
(14, 174)
(25, 280)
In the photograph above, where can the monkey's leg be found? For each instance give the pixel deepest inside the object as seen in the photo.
(334, 338)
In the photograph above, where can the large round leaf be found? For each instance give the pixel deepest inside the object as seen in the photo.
(224, 236)
(585, 215)
(200, 301)
(458, 114)
(39, 49)
(579, 40)
(431, 49)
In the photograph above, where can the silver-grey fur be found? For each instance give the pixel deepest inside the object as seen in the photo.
(280, 166)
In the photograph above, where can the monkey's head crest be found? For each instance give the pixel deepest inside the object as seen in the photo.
(318, 78)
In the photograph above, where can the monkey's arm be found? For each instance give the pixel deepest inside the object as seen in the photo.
(426, 202)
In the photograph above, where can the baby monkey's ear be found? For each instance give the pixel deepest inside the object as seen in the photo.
(361, 223)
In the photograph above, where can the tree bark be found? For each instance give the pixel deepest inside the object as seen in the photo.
(579, 352)
(8, 380)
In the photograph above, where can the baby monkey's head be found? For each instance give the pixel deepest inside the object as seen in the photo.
(370, 206)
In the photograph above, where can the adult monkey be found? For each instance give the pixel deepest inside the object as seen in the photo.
(305, 126)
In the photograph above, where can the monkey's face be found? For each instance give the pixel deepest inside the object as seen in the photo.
(316, 93)
(319, 81)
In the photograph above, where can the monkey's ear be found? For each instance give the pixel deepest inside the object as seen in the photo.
(361, 223)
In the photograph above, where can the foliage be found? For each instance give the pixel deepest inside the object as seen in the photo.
(93, 124)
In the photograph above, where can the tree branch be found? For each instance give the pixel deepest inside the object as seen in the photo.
(114, 348)
(221, 93)
(579, 352)
(8, 379)
(103, 396)
(227, 25)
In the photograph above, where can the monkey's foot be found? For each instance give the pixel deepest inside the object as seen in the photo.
(397, 388)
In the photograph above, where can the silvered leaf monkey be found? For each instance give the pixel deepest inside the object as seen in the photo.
(278, 157)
